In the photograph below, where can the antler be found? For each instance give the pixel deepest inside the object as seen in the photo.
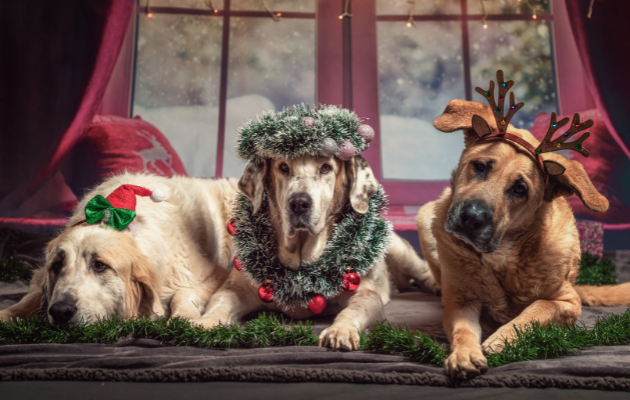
(498, 110)
(547, 145)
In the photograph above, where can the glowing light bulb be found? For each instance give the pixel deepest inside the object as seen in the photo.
(149, 15)
(408, 24)
(279, 15)
(216, 11)
(485, 26)
(534, 16)
(341, 17)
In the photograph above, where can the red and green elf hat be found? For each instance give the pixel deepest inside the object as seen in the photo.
(119, 208)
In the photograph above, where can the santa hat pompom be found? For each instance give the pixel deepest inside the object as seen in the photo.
(158, 195)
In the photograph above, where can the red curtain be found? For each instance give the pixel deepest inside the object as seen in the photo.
(603, 42)
(57, 58)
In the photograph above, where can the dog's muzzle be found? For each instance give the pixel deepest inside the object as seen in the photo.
(62, 311)
(300, 205)
(471, 221)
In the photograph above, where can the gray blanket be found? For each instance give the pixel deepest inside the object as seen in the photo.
(603, 368)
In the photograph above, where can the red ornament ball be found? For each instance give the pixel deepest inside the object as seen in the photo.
(345, 150)
(317, 304)
(351, 281)
(265, 292)
(366, 132)
(231, 227)
(308, 121)
(237, 263)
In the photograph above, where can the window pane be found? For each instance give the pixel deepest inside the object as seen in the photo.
(420, 71)
(389, 7)
(218, 4)
(271, 66)
(509, 6)
(522, 50)
(178, 69)
(274, 5)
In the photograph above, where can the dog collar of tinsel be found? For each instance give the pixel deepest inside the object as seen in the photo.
(357, 243)
(300, 130)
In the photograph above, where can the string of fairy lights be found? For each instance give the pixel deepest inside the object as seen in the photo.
(410, 21)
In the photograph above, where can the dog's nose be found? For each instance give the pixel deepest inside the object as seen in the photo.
(474, 216)
(62, 312)
(299, 203)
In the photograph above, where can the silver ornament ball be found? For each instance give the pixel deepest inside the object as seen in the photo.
(329, 148)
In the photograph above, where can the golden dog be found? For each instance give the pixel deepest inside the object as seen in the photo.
(306, 196)
(167, 262)
(503, 246)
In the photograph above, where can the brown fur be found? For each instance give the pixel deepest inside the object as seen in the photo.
(528, 270)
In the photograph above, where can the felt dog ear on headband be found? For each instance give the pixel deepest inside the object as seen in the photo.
(462, 114)
(252, 183)
(363, 183)
(569, 178)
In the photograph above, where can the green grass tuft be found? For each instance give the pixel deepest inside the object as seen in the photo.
(12, 269)
(389, 339)
(264, 331)
(596, 272)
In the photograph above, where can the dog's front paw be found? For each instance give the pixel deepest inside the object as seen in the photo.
(340, 337)
(496, 342)
(209, 322)
(466, 363)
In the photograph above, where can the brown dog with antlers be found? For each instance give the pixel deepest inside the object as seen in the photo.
(502, 240)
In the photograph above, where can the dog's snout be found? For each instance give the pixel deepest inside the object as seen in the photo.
(474, 216)
(300, 203)
(62, 311)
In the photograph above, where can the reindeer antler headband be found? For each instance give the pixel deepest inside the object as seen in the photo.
(548, 167)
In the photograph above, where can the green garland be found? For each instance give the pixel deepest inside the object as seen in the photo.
(285, 135)
(358, 241)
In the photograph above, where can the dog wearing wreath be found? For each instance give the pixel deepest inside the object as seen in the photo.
(308, 229)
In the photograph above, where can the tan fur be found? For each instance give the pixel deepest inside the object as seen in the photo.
(167, 262)
(527, 270)
(347, 182)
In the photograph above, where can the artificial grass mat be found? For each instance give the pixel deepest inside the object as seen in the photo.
(534, 342)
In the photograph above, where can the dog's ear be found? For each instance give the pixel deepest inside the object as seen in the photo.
(568, 177)
(475, 119)
(253, 182)
(362, 182)
(143, 298)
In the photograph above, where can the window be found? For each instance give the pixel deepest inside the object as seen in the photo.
(200, 74)
(182, 54)
(445, 56)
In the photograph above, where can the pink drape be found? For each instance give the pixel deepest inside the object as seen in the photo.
(603, 42)
(57, 60)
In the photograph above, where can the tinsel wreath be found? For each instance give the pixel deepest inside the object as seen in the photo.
(301, 130)
(358, 241)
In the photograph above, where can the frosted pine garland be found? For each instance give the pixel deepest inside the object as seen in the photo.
(358, 241)
(285, 135)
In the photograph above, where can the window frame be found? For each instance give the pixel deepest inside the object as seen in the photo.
(347, 71)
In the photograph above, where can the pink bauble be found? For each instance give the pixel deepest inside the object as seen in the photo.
(345, 151)
(317, 304)
(366, 132)
(308, 121)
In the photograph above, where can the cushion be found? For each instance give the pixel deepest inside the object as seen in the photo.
(115, 144)
(606, 167)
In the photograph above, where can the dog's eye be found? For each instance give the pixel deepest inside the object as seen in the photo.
(326, 168)
(284, 167)
(520, 189)
(56, 267)
(99, 266)
(480, 167)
